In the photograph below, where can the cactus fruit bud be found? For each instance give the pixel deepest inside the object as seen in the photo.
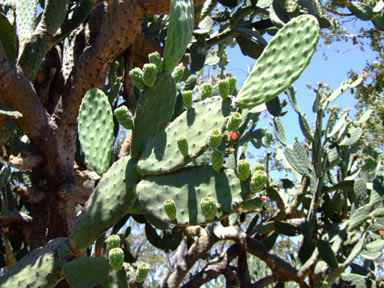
(116, 258)
(257, 166)
(124, 117)
(234, 122)
(141, 272)
(215, 138)
(208, 207)
(182, 143)
(187, 97)
(258, 180)
(149, 73)
(178, 74)
(217, 161)
(137, 77)
(170, 209)
(243, 169)
(224, 88)
(232, 84)
(190, 83)
(155, 58)
(205, 91)
(113, 241)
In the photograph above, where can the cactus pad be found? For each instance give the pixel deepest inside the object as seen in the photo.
(224, 88)
(137, 77)
(149, 74)
(155, 58)
(282, 61)
(186, 188)
(258, 180)
(215, 138)
(195, 124)
(124, 117)
(170, 209)
(217, 160)
(205, 90)
(243, 169)
(208, 207)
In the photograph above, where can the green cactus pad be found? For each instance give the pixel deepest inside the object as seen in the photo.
(182, 144)
(232, 85)
(234, 122)
(181, 22)
(186, 188)
(208, 207)
(116, 258)
(187, 97)
(217, 160)
(96, 130)
(205, 91)
(113, 197)
(149, 74)
(124, 117)
(155, 58)
(196, 124)
(257, 166)
(170, 209)
(282, 61)
(243, 169)
(42, 267)
(137, 77)
(224, 88)
(155, 110)
(215, 138)
(258, 180)
(178, 74)
(26, 19)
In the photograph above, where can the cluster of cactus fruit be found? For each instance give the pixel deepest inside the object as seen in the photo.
(180, 172)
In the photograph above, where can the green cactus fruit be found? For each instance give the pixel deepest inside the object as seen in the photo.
(113, 241)
(243, 169)
(116, 258)
(224, 88)
(258, 180)
(217, 160)
(187, 97)
(215, 138)
(178, 74)
(234, 122)
(170, 209)
(142, 272)
(205, 90)
(182, 143)
(137, 77)
(155, 58)
(149, 74)
(232, 84)
(124, 117)
(208, 207)
(257, 166)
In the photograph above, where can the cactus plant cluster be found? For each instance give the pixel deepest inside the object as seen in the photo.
(187, 169)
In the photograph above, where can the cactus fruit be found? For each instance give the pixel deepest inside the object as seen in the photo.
(215, 138)
(258, 180)
(234, 122)
(182, 143)
(190, 83)
(124, 117)
(116, 258)
(243, 169)
(208, 207)
(205, 90)
(178, 74)
(232, 84)
(149, 74)
(155, 58)
(137, 77)
(224, 88)
(187, 97)
(257, 166)
(217, 160)
(141, 272)
(113, 241)
(170, 209)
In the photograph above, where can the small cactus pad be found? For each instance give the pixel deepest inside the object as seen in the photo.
(162, 154)
(182, 143)
(232, 84)
(113, 196)
(243, 169)
(186, 188)
(155, 58)
(258, 180)
(124, 117)
(205, 90)
(208, 207)
(42, 267)
(224, 88)
(142, 272)
(217, 160)
(155, 109)
(282, 61)
(234, 122)
(149, 74)
(137, 77)
(187, 97)
(116, 258)
(181, 22)
(113, 241)
(215, 138)
(170, 209)
(178, 74)
(96, 130)
(257, 166)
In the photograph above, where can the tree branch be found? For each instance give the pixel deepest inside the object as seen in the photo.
(15, 217)
(161, 7)
(265, 281)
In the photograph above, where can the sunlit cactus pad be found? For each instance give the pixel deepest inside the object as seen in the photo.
(96, 130)
(196, 125)
(186, 188)
(110, 201)
(40, 268)
(282, 61)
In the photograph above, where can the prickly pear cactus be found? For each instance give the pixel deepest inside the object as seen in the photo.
(116, 258)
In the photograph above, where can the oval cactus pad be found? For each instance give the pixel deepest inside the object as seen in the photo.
(282, 62)
(186, 188)
(162, 155)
